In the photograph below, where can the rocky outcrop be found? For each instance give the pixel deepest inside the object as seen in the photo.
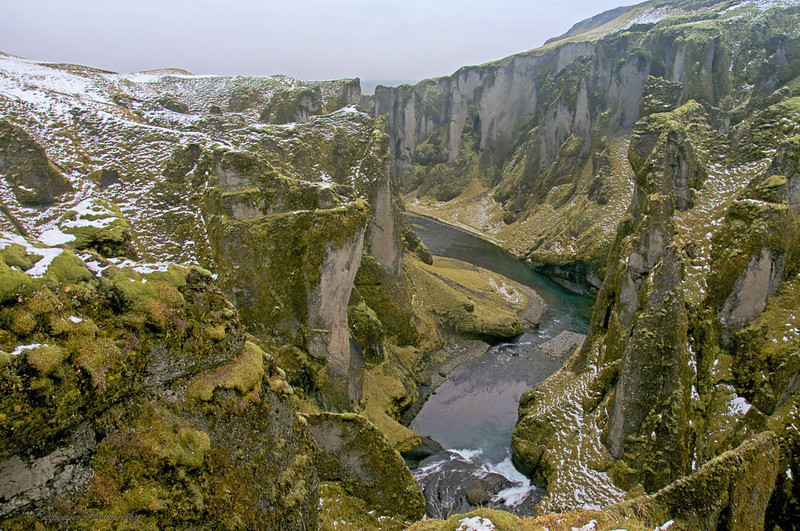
(306, 237)
(362, 460)
(299, 104)
(729, 492)
(680, 365)
(35, 180)
(24, 482)
(757, 283)
(473, 302)
(149, 406)
(453, 483)
(524, 148)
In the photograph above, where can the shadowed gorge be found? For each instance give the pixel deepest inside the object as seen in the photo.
(232, 302)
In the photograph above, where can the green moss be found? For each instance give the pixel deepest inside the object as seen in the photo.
(367, 330)
(154, 299)
(16, 255)
(13, 283)
(67, 268)
(732, 489)
(243, 374)
(340, 511)
(44, 359)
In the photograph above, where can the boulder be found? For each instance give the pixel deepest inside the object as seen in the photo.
(35, 180)
(360, 457)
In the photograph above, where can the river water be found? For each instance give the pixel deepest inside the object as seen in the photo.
(472, 414)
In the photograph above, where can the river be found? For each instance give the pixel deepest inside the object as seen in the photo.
(472, 414)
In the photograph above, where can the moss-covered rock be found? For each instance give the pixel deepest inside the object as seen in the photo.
(172, 103)
(35, 180)
(660, 95)
(360, 458)
(367, 330)
(133, 411)
(680, 365)
(730, 492)
(293, 105)
(472, 302)
(98, 226)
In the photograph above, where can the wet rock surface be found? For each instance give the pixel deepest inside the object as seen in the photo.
(454, 482)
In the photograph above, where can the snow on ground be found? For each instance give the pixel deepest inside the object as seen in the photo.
(510, 293)
(738, 406)
(89, 120)
(48, 254)
(591, 525)
(22, 348)
(574, 447)
(90, 214)
(476, 523)
(53, 237)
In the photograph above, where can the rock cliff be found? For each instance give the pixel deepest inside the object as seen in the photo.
(530, 151)
(691, 350)
(296, 224)
(172, 409)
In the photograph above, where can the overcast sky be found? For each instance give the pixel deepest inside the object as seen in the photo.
(306, 39)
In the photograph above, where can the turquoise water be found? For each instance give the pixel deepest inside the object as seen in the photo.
(475, 409)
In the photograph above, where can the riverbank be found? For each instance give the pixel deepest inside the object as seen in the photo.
(474, 392)
(481, 308)
(476, 212)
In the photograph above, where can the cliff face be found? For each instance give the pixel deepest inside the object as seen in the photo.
(179, 398)
(301, 229)
(137, 396)
(650, 153)
(691, 349)
(530, 150)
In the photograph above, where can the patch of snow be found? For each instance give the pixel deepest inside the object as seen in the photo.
(650, 16)
(664, 526)
(95, 267)
(54, 237)
(738, 406)
(762, 5)
(75, 319)
(88, 208)
(476, 523)
(48, 254)
(22, 348)
(141, 267)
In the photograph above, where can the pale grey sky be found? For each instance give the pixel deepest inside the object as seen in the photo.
(307, 39)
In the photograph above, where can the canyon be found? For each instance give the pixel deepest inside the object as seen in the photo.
(216, 312)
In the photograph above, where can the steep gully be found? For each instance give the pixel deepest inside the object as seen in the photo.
(472, 414)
